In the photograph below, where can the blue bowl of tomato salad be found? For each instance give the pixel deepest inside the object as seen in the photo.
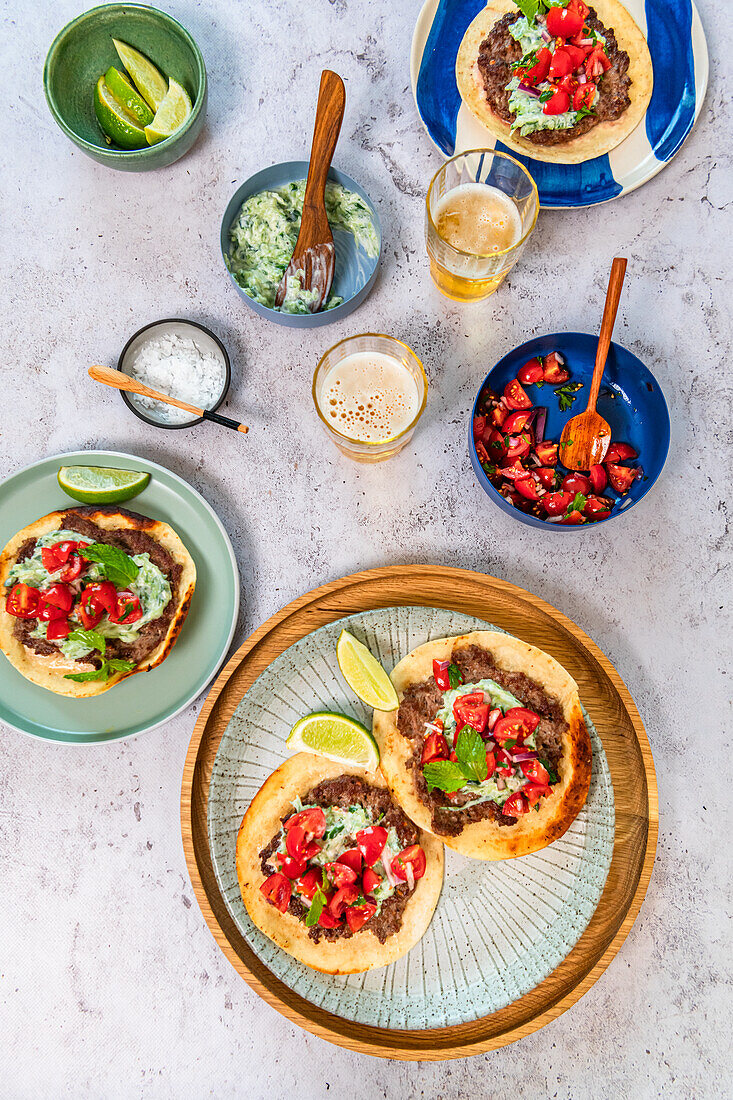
(518, 417)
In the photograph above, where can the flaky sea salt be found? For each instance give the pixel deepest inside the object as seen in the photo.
(176, 365)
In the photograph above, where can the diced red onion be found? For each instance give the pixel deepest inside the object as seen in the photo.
(586, 42)
(388, 870)
(582, 78)
(524, 754)
(554, 519)
(540, 423)
(490, 746)
(432, 727)
(529, 90)
(560, 358)
(545, 35)
(500, 783)
(494, 717)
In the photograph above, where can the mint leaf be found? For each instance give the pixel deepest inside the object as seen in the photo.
(92, 638)
(103, 673)
(444, 775)
(119, 568)
(454, 676)
(471, 753)
(529, 8)
(316, 908)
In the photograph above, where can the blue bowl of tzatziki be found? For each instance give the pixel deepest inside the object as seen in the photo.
(182, 359)
(259, 230)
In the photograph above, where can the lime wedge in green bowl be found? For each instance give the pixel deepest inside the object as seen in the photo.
(335, 736)
(101, 484)
(148, 79)
(171, 115)
(124, 93)
(117, 122)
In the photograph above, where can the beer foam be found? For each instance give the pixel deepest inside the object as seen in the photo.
(478, 218)
(369, 396)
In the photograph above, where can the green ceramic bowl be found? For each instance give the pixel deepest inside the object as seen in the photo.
(84, 50)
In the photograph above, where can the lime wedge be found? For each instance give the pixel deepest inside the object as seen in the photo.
(149, 81)
(101, 485)
(117, 122)
(123, 91)
(364, 674)
(172, 113)
(336, 737)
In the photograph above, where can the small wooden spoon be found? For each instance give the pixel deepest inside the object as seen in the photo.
(120, 381)
(314, 254)
(586, 437)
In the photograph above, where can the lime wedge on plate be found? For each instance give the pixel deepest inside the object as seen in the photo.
(149, 81)
(172, 113)
(337, 737)
(116, 121)
(101, 485)
(364, 674)
(124, 93)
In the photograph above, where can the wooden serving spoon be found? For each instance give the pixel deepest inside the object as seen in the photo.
(120, 381)
(586, 437)
(314, 254)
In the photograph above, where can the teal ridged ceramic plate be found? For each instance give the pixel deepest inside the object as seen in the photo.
(499, 929)
(148, 699)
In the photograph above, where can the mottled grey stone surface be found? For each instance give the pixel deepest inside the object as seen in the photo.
(111, 984)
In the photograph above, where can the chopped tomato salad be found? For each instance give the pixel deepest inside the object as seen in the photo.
(526, 468)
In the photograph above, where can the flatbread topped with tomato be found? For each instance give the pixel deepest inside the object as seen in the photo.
(91, 595)
(332, 870)
(557, 80)
(488, 748)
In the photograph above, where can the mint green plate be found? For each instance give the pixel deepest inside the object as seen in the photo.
(151, 698)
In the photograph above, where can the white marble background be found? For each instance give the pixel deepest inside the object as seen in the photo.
(110, 982)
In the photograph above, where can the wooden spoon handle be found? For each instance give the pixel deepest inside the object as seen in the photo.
(329, 116)
(613, 294)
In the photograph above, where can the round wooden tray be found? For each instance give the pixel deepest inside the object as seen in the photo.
(615, 717)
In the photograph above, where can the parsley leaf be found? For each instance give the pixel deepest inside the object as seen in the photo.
(579, 503)
(91, 638)
(454, 676)
(103, 673)
(471, 753)
(547, 95)
(118, 567)
(316, 908)
(445, 775)
(548, 768)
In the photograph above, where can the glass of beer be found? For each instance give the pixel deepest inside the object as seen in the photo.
(370, 391)
(481, 208)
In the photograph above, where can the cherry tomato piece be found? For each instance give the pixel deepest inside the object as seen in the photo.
(533, 792)
(527, 487)
(490, 763)
(554, 368)
(291, 868)
(513, 472)
(580, 8)
(440, 674)
(474, 716)
(313, 821)
(518, 445)
(515, 806)
(310, 882)
(128, 610)
(547, 452)
(58, 629)
(358, 915)
(351, 858)
(299, 844)
(597, 507)
(496, 447)
(562, 22)
(277, 890)
(576, 483)
(561, 64)
(573, 520)
(598, 478)
(556, 503)
(327, 920)
(341, 875)
(498, 416)
(371, 880)
(584, 95)
(557, 104)
(549, 477)
(59, 595)
(516, 422)
(577, 55)
(621, 477)
(371, 842)
(596, 63)
(479, 423)
(530, 373)
(619, 452)
(517, 723)
(536, 772)
(536, 73)
(345, 895)
(514, 395)
(410, 862)
(435, 748)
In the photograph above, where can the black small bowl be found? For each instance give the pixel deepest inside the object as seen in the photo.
(178, 326)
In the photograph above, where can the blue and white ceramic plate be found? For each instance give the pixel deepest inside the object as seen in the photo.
(680, 59)
(499, 928)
